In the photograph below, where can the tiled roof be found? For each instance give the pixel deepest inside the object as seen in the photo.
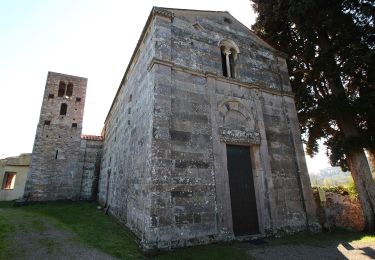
(92, 137)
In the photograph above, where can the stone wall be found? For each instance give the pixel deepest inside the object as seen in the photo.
(91, 154)
(126, 162)
(340, 211)
(191, 201)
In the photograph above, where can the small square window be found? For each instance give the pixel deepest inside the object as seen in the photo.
(227, 20)
(50, 96)
(47, 122)
(74, 125)
(9, 179)
(78, 99)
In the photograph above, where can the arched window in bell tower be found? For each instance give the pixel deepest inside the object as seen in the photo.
(62, 86)
(69, 90)
(63, 109)
(229, 57)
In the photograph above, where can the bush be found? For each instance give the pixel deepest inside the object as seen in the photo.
(349, 189)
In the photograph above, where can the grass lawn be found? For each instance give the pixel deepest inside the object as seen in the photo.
(97, 230)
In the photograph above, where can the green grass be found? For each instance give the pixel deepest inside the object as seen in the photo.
(5, 230)
(323, 239)
(97, 230)
(91, 226)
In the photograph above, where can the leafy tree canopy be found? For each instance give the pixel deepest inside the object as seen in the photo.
(331, 49)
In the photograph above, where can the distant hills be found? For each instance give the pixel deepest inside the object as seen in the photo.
(330, 176)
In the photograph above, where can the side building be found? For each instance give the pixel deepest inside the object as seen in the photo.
(202, 140)
(59, 161)
(13, 174)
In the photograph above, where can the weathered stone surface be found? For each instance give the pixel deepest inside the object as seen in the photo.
(173, 189)
(163, 170)
(91, 154)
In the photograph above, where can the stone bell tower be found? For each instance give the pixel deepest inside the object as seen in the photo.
(55, 169)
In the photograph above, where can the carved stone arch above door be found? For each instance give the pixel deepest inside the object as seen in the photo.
(237, 123)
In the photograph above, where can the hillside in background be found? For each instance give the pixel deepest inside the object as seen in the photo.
(330, 176)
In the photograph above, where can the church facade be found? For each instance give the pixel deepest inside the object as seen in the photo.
(201, 143)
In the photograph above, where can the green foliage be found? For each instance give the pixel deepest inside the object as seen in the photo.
(348, 189)
(331, 60)
(352, 189)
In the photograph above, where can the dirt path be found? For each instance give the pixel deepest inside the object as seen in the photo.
(34, 236)
(37, 237)
(354, 250)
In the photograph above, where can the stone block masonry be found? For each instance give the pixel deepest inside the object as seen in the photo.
(91, 154)
(55, 168)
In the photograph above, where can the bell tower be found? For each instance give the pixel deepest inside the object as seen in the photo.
(55, 169)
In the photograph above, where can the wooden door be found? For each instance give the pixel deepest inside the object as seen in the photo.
(242, 192)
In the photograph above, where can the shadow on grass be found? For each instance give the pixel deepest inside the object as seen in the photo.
(93, 228)
(215, 251)
(323, 239)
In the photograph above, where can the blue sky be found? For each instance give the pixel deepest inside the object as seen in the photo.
(88, 38)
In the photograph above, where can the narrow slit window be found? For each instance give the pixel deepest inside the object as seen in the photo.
(69, 90)
(223, 63)
(231, 63)
(63, 109)
(9, 180)
(56, 154)
(130, 98)
(62, 86)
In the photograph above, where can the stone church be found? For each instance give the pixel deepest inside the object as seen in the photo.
(201, 142)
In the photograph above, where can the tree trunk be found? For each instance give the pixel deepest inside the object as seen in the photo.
(365, 185)
(360, 170)
(371, 161)
(356, 157)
